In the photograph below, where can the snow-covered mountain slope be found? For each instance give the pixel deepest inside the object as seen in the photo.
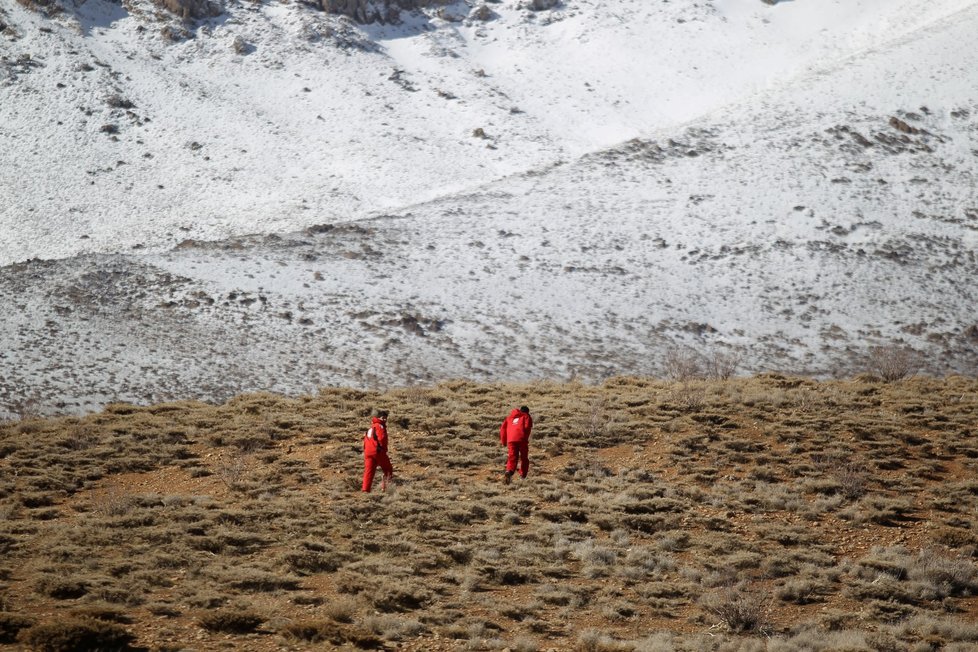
(794, 182)
(316, 121)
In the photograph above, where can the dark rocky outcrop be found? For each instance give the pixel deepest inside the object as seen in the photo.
(541, 5)
(371, 11)
(193, 9)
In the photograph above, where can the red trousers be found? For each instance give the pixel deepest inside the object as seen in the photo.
(370, 464)
(521, 449)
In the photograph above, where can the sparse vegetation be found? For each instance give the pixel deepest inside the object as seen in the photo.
(894, 362)
(76, 635)
(770, 513)
(231, 621)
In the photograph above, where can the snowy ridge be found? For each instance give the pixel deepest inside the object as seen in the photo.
(797, 186)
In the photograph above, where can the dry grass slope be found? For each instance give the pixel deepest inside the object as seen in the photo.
(770, 513)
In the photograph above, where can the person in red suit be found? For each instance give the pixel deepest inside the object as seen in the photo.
(515, 433)
(375, 451)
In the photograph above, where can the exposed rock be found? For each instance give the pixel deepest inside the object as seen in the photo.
(449, 16)
(371, 11)
(540, 5)
(240, 46)
(175, 33)
(193, 9)
(900, 125)
(482, 13)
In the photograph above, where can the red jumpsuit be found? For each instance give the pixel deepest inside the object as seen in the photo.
(515, 433)
(375, 454)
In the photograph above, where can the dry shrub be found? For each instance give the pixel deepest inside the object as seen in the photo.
(232, 621)
(254, 580)
(403, 597)
(738, 608)
(945, 575)
(831, 636)
(596, 420)
(342, 610)
(232, 472)
(11, 625)
(690, 397)
(104, 612)
(800, 591)
(76, 635)
(852, 481)
(310, 562)
(722, 365)
(683, 365)
(319, 631)
(61, 588)
(591, 640)
(111, 502)
(894, 362)
(848, 478)
(524, 644)
(942, 628)
(878, 509)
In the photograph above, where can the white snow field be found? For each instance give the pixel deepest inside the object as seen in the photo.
(794, 183)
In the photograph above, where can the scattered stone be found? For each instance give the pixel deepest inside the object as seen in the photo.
(449, 16)
(240, 46)
(479, 132)
(540, 5)
(900, 125)
(192, 9)
(116, 101)
(175, 33)
(861, 140)
(372, 11)
(398, 78)
(482, 13)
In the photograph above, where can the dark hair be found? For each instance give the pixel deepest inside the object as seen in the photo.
(525, 410)
(380, 414)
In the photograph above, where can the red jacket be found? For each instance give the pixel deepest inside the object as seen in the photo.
(516, 427)
(376, 438)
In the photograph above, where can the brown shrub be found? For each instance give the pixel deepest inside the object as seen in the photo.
(76, 635)
(738, 608)
(893, 362)
(11, 625)
(318, 631)
(61, 588)
(232, 621)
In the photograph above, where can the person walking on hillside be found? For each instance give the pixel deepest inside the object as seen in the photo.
(375, 451)
(515, 433)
